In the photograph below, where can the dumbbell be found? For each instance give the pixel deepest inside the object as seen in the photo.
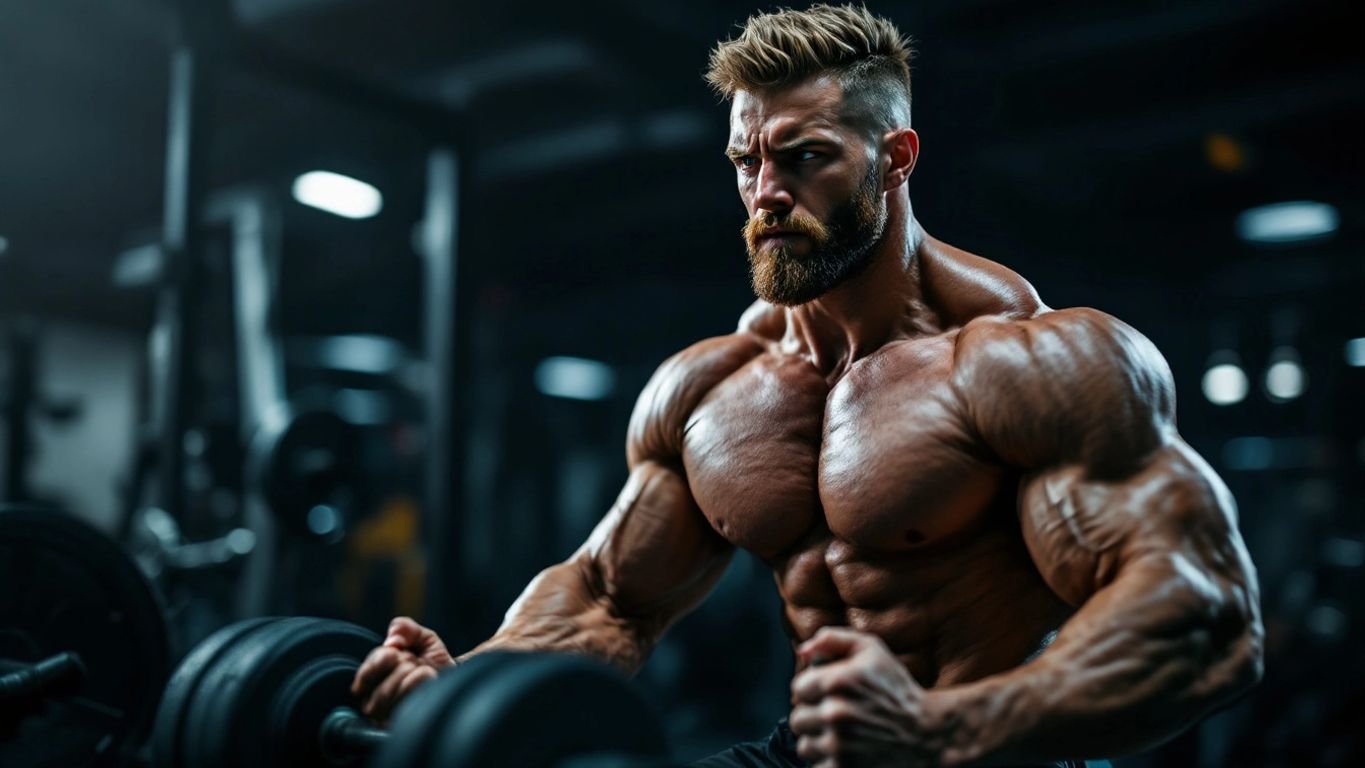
(274, 692)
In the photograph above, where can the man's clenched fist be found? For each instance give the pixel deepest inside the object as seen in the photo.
(410, 656)
(858, 707)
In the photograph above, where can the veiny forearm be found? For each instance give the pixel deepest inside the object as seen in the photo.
(1142, 660)
(564, 609)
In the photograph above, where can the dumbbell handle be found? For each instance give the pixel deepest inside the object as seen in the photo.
(61, 673)
(345, 734)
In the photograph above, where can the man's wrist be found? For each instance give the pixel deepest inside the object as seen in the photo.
(979, 721)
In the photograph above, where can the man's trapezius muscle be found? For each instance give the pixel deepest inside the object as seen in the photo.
(939, 470)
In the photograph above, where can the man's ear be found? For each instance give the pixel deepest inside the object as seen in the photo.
(902, 150)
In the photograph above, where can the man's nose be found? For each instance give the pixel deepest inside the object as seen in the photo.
(772, 193)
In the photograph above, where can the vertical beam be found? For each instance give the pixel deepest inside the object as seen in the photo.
(441, 502)
(256, 247)
(172, 361)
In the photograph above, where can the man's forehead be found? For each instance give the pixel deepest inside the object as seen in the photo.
(814, 104)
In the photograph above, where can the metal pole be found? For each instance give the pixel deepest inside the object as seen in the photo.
(173, 369)
(256, 245)
(441, 508)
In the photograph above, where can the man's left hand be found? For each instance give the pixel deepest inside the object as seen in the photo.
(856, 705)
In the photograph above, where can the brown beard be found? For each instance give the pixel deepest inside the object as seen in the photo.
(839, 249)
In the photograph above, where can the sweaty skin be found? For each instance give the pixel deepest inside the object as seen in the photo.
(929, 456)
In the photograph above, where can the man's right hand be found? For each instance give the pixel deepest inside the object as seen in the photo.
(410, 656)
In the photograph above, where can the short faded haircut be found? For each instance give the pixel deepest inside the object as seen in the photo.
(866, 54)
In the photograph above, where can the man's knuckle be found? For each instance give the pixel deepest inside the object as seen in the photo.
(837, 711)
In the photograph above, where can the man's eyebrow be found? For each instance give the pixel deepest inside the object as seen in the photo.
(735, 152)
(802, 143)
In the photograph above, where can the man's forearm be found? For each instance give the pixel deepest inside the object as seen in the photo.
(563, 609)
(1141, 661)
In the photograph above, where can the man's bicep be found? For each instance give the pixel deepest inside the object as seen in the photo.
(1171, 514)
(654, 556)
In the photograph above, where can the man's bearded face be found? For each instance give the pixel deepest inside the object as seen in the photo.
(839, 248)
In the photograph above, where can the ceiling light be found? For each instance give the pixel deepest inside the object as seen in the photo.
(1285, 378)
(341, 195)
(575, 378)
(1355, 352)
(1225, 384)
(1290, 222)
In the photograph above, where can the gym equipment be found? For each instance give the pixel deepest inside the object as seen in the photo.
(538, 710)
(302, 460)
(273, 692)
(257, 693)
(83, 644)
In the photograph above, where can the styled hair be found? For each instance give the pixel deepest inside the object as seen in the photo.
(866, 54)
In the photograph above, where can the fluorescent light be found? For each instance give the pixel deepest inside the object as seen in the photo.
(1225, 384)
(1355, 352)
(575, 378)
(4, 245)
(1290, 222)
(341, 195)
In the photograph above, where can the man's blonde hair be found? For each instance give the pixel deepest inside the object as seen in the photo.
(868, 56)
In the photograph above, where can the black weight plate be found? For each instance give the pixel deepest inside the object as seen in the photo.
(168, 734)
(531, 710)
(301, 463)
(262, 701)
(68, 587)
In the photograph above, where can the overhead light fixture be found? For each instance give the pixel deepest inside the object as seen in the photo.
(1355, 352)
(1225, 383)
(338, 194)
(575, 378)
(1290, 222)
(354, 353)
(1285, 379)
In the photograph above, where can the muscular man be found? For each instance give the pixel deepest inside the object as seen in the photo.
(943, 473)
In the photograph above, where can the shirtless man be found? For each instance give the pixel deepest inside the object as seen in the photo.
(939, 469)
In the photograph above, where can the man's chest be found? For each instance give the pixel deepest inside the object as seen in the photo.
(883, 459)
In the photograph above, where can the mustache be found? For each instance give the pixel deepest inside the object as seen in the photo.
(767, 223)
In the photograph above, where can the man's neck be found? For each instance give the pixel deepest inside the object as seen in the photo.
(875, 306)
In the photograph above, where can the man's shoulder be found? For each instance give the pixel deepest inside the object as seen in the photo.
(681, 382)
(1055, 342)
(1069, 373)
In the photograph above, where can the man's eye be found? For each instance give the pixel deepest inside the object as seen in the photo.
(747, 161)
(807, 154)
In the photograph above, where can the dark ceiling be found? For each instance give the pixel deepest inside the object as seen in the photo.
(1068, 139)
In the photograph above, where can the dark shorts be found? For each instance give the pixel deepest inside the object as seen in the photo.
(779, 751)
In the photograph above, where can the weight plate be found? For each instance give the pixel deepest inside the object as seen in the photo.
(262, 699)
(68, 587)
(168, 734)
(302, 462)
(533, 710)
